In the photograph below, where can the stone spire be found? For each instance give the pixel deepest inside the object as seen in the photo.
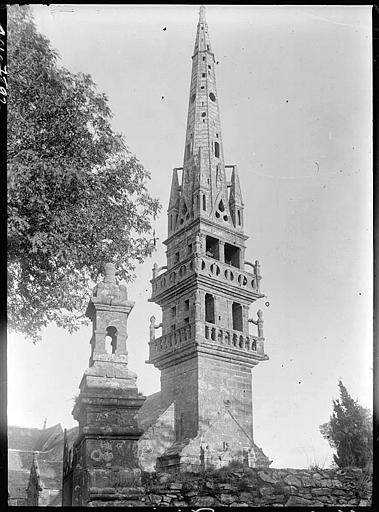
(204, 190)
(202, 14)
(235, 200)
(173, 205)
(205, 292)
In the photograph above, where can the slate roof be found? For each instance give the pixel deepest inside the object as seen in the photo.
(50, 472)
(48, 443)
(23, 438)
(49, 438)
(177, 446)
(19, 459)
(17, 484)
(19, 464)
(261, 456)
(150, 411)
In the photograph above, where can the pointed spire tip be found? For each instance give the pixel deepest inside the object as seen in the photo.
(202, 14)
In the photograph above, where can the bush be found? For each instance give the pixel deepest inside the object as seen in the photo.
(349, 431)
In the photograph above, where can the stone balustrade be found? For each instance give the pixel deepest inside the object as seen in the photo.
(174, 275)
(202, 264)
(234, 339)
(225, 272)
(228, 337)
(172, 340)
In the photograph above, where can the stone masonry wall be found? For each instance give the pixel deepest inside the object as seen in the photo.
(179, 383)
(156, 439)
(223, 381)
(254, 487)
(250, 487)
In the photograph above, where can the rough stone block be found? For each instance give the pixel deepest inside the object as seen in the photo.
(227, 498)
(191, 494)
(321, 492)
(266, 490)
(176, 485)
(297, 501)
(164, 478)
(203, 501)
(266, 477)
(292, 480)
(289, 489)
(338, 492)
(179, 503)
(226, 487)
(280, 498)
(307, 481)
(326, 499)
(246, 496)
(155, 498)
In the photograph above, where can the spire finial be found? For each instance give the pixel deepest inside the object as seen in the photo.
(202, 14)
(110, 273)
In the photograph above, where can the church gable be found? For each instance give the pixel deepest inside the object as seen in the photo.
(156, 439)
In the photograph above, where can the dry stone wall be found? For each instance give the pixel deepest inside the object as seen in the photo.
(254, 487)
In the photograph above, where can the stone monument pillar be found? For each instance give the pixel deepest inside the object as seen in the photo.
(103, 468)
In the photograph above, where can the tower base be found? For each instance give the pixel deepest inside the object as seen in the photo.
(220, 443)
(104, 469)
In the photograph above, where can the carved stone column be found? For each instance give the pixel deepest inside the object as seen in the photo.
(221, 251)
(105, 466)
(245, 318)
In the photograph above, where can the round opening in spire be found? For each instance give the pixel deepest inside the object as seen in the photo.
(212, 96)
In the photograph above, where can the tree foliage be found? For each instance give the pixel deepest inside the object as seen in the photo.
(349, 431)
(77, 197)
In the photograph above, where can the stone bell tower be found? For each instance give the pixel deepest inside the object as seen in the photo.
(206, 351)
(103, 468)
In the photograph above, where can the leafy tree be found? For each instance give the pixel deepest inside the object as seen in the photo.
(77, 197)
(349, 431)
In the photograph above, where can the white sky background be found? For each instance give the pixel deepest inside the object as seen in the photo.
(294, 85)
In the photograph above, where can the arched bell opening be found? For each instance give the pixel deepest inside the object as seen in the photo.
(111, 340)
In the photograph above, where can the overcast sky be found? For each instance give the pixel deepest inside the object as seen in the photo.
(294, 88)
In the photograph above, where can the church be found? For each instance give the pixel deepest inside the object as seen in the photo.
(203, 415)
(205, 351)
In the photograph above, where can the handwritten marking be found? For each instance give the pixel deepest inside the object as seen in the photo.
(3, 71)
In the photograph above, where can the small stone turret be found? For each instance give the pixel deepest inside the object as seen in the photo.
(104, 465)
(109, 309)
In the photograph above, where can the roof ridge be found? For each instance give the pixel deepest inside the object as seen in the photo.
(29, 428)
(20, 450)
